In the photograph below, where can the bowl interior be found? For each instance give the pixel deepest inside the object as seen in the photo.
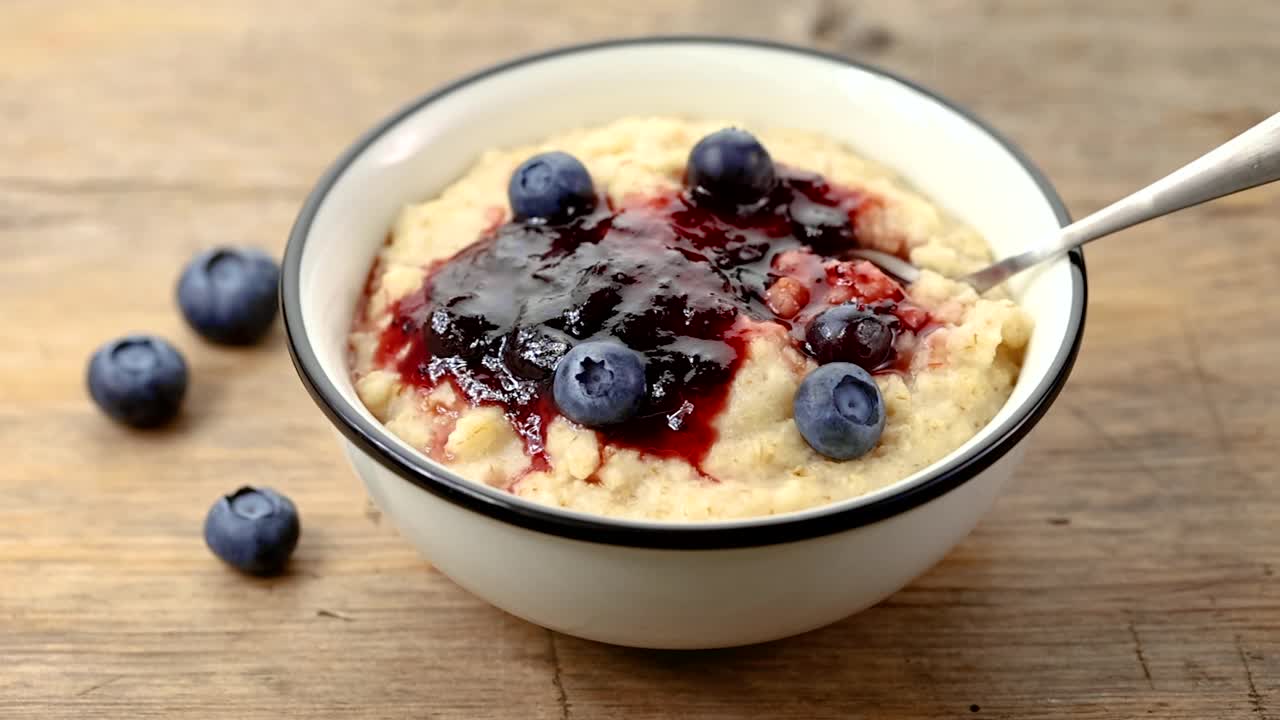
(948, 157)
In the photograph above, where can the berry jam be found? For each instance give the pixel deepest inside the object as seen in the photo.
(685, 285)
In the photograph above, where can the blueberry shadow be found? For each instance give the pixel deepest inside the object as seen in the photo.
(214, 368)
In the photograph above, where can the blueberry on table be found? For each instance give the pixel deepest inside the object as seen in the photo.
(730, 169)
(138, 380)
(229, 295)
(852, 333)
(839, 411)
(599, 383)
(551, 187)
(253, 530)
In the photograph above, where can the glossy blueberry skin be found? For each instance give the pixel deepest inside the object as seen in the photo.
(730, 169)
(852, 333)
(551, 187)
(839, 411)
(138, 380)
(254, 530)
(599, 383)
(229, 295)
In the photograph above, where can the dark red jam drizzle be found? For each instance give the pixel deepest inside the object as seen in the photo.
(684, 284)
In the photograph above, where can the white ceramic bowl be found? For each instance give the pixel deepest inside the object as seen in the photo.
(657, 584)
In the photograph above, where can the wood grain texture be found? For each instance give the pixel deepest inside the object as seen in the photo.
(1130, 572)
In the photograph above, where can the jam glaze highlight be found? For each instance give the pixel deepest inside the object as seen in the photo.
(687, 286)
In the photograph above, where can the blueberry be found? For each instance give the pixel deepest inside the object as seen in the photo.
(253, 530)
(551, 187)
(730, 169)
(839, 411)
(228, 295)
(852, 333)
(138, 380)
(599, 383)
(825, 229)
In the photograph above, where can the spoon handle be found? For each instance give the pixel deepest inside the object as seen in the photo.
(1248, 160)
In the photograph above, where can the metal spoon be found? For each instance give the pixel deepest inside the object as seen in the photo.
(1248, 160)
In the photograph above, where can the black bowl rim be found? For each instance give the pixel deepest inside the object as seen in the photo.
(504, 507)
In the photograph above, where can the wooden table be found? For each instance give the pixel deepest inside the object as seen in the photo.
(1128, 573)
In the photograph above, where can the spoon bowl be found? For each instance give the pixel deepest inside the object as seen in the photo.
(1248, 160)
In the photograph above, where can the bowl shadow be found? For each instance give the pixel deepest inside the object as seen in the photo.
(921, 653)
